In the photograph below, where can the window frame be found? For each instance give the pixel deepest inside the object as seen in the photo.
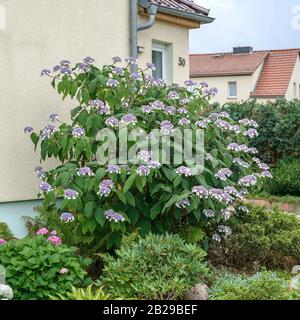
(160, 47)
(229, 89)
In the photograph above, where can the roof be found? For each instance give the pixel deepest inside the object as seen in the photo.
(276, 74)
(225, 64)
(181, 8)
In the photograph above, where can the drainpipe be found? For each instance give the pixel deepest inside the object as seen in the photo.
(134, 27)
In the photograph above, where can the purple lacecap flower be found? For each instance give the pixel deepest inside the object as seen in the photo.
(85, 171)
(48, 131)
(244, 122)
(184, 171)
(56, 68)
(114, 216)
(161, 83)
(55, 240)
(213, 91)
(135, 76)
(146, 109)
(201, 124)
(244, 148)
(45, 72)
(88, 60)
(256, 160)
(263, 166)
(151, 66)
(157, 105)
(143, 170)
(234, 147)
(182, 110)
(184, 122)
(224, 125)
(131, 60)
(224, 174)
(221, 196)
(227, 213)
(42, 232)
(243, 209)
(184, 101)
(173, 95)
(112, 122)
(45, 187)
(209, 213)
(63, 271)
(113, 169)
(208, 157)
(96, 104)
(105, 188)
(119, 71)
(65, 63)
(266, 174)
(241, 163)
(216, 237)
(190, 83)
(236, 129)
(201, 192)
(153, 164)
(182, 204)
(112, 83)
(116, 59)
(166, 128)
(41, 175)
(231, 191)
(170, 110)
(2, 242)
(203, 84)
(28, 130)
(53, 117)
(253, 123)
(251, 133)
(70, 194)
(252, 151)
(65, 71)
(248, 181)
(129, 119)
(144, 155)
(83, 67)
(104, 109)
(67, 217)
(38, 169)
(78, 132)
(214, 116)
(249, 123)
(224, 114)
(225, 229)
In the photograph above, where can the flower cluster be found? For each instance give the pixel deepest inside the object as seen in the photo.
(114, 216)
(105, 188)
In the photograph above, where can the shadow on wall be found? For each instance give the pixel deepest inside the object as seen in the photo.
(12, 213)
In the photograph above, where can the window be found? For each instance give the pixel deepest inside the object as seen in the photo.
(232, 86)
(162, 59)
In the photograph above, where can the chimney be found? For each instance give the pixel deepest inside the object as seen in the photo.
(242, 50)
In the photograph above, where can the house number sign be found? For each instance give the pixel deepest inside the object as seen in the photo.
(181, 62)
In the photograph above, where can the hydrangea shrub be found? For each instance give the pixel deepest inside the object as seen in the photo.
(104, 201)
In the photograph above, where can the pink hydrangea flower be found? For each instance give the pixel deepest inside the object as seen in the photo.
(2, 241)
(64, 270)
(42, 231)
(55, 240)
(53, 233)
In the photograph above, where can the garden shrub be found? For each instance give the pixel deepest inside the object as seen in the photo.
(103, 201)
(261, 238)
(262, 286)
(156, 267)
(36, 268)
(5, 232)
(279, 126)
(286, 179)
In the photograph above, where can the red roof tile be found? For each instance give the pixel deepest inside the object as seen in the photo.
(276, 74)
(223, 64)
(182, 5)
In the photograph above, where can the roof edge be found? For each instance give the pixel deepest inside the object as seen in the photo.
(229, 74)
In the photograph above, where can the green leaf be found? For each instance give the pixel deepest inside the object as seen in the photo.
(155, 211)
(129, 183)
(121, 196)
(130, 198)
(99, 216)
(140, 183)
(89, 209)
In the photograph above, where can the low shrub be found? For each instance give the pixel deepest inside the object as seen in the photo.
(286, 179)
(37, 269)
(262, 286)
(261, 238)
(5, 232)
(157, 267)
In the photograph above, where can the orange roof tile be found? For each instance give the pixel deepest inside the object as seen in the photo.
(276, 74)
(224, 64)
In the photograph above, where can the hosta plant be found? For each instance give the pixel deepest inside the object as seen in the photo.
(104, 194)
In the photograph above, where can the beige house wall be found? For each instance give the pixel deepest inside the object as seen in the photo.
(36, 35)
(291, 93)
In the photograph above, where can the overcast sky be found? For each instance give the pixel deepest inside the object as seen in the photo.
(262, 24)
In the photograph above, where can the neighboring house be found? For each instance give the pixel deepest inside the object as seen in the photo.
(245, 74)
(37, 34)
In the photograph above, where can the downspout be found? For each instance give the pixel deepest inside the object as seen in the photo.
(134, 27)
